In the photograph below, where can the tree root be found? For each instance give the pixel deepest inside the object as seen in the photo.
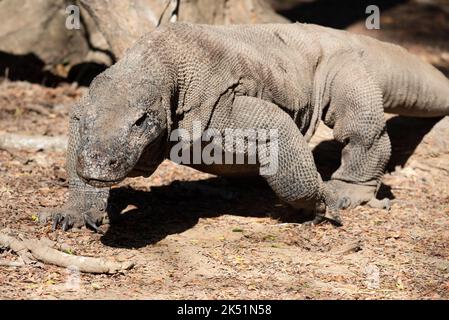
(42, 250)
(24, 142)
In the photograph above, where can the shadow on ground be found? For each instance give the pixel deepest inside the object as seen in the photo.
(177, 207)
(406, 133)
(27, 67)
(31, 68)
(336, 13)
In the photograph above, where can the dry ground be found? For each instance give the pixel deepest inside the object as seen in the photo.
(196, 236)
(193, 235)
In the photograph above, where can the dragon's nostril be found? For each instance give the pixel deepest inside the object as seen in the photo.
(113, 163)
(96, 155)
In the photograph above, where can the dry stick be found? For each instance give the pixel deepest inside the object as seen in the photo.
(351, 247)
(39, 109)
(13, 154)
(24, 142)
(17, 246)
(14, 264)
(41, 251)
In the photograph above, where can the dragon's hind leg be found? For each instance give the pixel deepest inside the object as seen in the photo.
(356, 115)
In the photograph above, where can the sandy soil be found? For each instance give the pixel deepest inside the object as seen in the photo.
(193, 235)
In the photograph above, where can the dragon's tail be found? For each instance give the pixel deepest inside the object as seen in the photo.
(411, 87)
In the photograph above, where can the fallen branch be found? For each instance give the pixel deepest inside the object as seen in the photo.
(42, 251)
(17, 246)
(24, 142)
(14, 264)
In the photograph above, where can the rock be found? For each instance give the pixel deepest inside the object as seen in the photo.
(442, 265)
(39, 27)
(436, 141)
(36, 30)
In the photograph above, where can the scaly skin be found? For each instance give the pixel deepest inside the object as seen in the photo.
(285, 77)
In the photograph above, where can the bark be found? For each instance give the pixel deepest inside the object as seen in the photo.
(38, 27)
(34, 39)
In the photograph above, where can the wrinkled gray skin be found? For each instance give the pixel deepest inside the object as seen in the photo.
(284, 77)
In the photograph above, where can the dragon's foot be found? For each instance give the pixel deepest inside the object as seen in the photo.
(333, 219)
(68, 217)
(318, 213)
(352, 195)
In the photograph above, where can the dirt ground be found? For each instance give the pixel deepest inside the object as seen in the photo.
(193, 235)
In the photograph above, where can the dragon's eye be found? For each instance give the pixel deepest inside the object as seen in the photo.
(141, 120)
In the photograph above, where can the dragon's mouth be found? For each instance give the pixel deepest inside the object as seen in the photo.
(133, 169)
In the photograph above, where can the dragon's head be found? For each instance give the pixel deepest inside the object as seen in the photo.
(120, 118)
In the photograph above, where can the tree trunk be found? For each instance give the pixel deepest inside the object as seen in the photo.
(123, 22)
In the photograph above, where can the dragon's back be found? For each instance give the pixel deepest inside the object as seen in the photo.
(277, 62)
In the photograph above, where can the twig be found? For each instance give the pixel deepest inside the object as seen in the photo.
(37, 108)
(349, 248)
(13, 154)
(434, 166)
(173, 15)
(289, 224)
(403, 188)
(42, 251)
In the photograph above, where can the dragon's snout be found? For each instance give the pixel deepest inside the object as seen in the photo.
(99, 167)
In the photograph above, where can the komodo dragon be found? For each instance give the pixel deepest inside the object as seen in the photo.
(285, 77)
